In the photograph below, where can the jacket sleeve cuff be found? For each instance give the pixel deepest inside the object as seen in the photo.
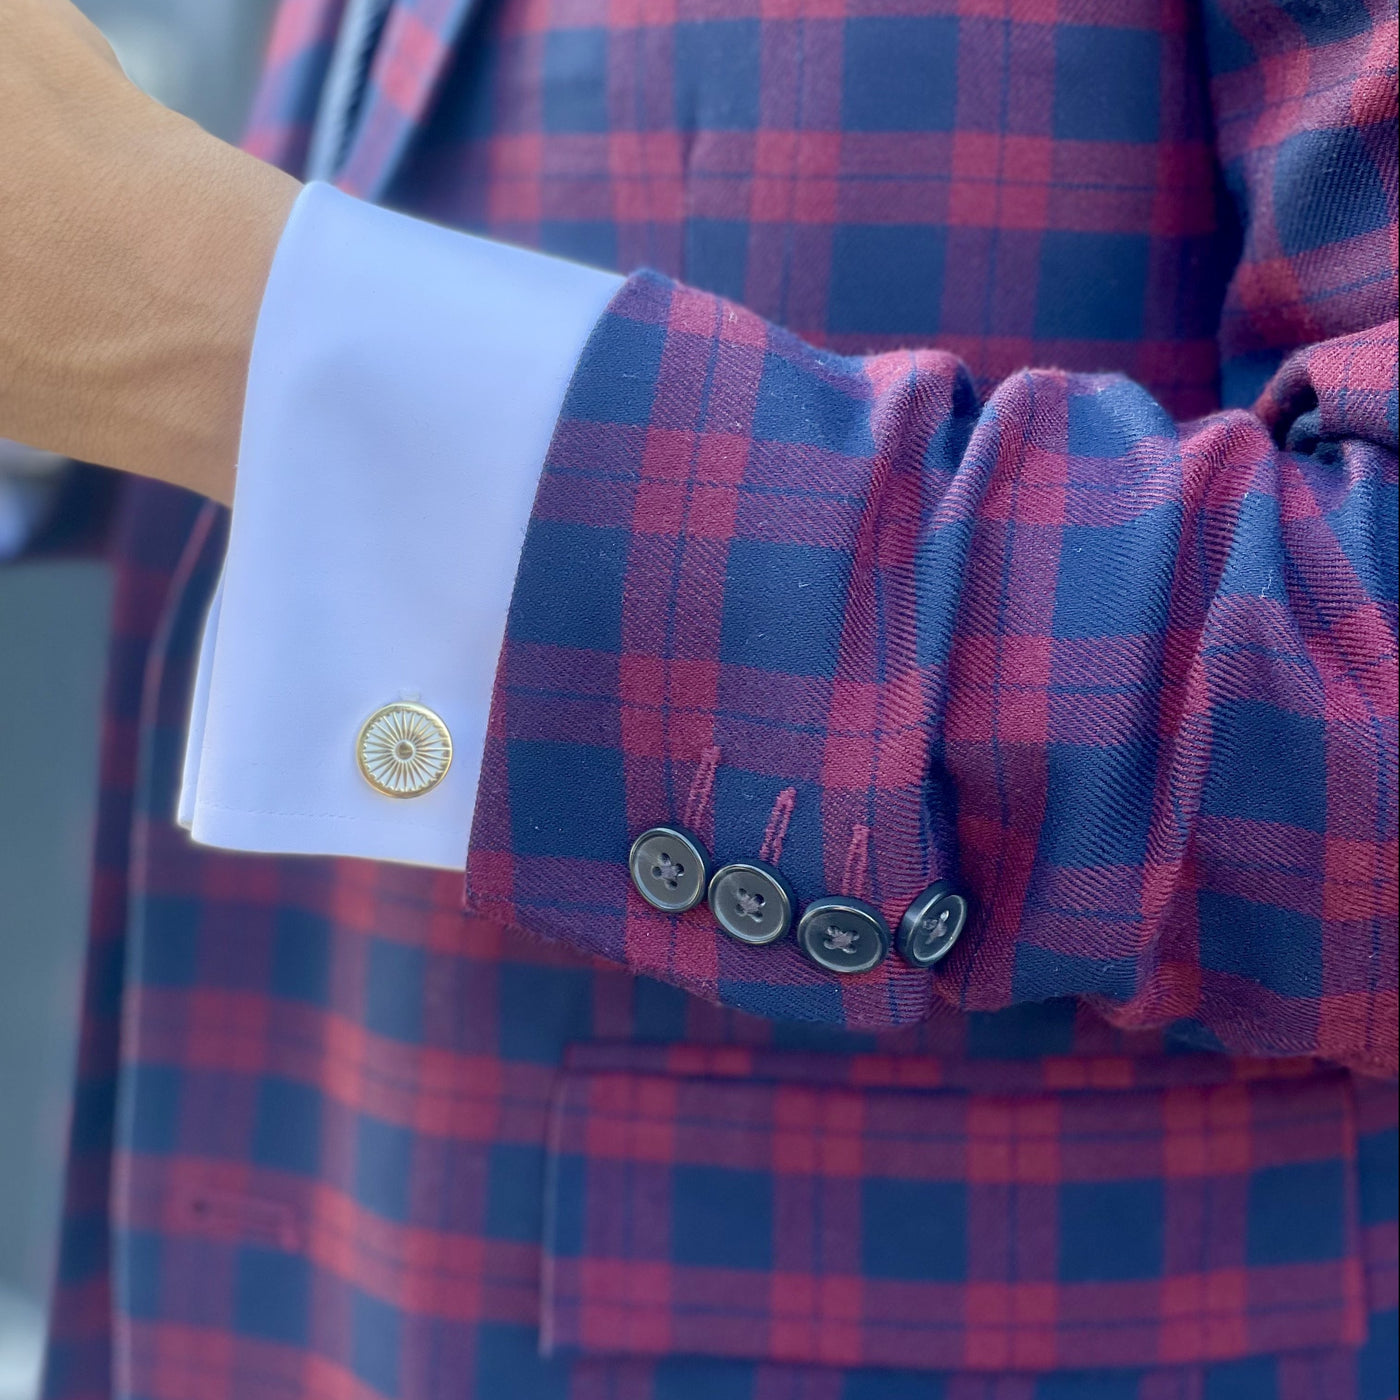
(404, 384)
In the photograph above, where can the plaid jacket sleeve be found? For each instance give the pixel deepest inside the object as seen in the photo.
(1131, 682)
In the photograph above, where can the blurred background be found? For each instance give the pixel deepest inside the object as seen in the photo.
(200, 57)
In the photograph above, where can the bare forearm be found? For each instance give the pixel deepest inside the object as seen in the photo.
(134, 252)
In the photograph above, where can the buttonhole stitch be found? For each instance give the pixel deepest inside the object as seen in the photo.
(776, 832)
(701, 788)
(855, 876)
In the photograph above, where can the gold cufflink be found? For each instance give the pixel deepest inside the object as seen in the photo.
(404, 750)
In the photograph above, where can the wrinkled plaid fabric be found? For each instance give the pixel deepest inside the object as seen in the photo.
(819, 566)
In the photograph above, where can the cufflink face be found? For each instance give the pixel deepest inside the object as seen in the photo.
(404, 750)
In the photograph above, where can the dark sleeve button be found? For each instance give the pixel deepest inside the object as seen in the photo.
(843, 935)
(931, 925)
(751, 903)
(669, 869)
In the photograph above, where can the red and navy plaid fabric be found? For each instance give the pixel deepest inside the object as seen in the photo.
(1133, 685)
(868, 1225)
(333, 1139)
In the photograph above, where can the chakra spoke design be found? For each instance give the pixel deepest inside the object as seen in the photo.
(841, 940)
(404, 750)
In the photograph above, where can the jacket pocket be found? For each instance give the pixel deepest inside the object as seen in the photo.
(794, 1221)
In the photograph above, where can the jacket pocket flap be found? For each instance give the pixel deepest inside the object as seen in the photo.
(797, 1222)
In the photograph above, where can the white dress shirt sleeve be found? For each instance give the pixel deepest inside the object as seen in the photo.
(404, 385)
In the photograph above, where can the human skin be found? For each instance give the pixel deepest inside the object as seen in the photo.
(134, 250)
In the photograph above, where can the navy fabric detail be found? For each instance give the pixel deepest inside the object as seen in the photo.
(742, 803)
(1107, 83)
(588, 614)
(1099, 591)
(551, 785)
(716, 75)
(1369, 538)
(168, 956)
(721, 1218)
(1327, 189)
(1098, 804)
(1024, 1032)
(1110, 1230)
(1266, 765)
(1376, 1363)
(1276, 948)
(141, 1273)
(378, 1341)
(575, 80)
(658, 1010)
(508, 1363)
(394, 989)
(272, 1295)
(900, 73)
(287, 1126)
(1113, 421)
(694, 1378)
(1091, 285)
(783, 605)
(1228, 51)
(893, 1385)
(618, 386)
(1244, 377)
(887, 278)
(383, 1167)
(590, 241)
(913, 1229)
(716, 255)
(823, 1035)
(809, 403)
(568, 1183)
(1296, 1213)
(301, 956)
(83, 1248)
(1254, 1378)
(821, 1003)
(155, 1098)
(1254, 573)
(1040, 974)
(1378, 1169)
(514, 1191)
(1090, 1385)
(542, 1009)
(1327, 21)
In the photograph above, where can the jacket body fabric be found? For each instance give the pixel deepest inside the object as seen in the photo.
(819, 570)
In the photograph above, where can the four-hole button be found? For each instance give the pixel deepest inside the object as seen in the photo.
(669, 869)
(843, 934)
(931, 925)
(751, 902)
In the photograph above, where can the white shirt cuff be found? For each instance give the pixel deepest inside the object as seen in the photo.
(404, 385)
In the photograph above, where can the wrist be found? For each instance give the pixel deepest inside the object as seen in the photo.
(134, 249)
(137, 268)
(205, 224)
(216, 217)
